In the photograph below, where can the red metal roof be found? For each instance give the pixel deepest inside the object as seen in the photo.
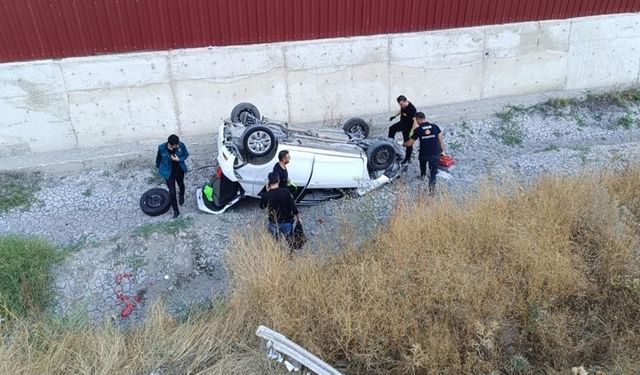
(37, 29)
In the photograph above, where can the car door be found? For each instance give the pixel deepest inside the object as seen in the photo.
(333, 170)
(299, 168)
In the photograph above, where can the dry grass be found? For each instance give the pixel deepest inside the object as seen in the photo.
(514, 281)
(209, 344)
(625, 187)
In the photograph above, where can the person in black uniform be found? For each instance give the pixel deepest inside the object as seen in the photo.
(281, 208)
(431, 147)
(406, 113)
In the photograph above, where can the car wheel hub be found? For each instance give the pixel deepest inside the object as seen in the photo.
(356, 131)
(155, 201)
(259, 142)
(382, 156)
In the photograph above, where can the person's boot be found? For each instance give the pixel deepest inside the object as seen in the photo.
(407, 155)
(181, 199)
(175, 214)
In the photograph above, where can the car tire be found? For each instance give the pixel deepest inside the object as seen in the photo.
(258, 141)
(381, 155)
(356, 127)
(155, 201)
(248, 108)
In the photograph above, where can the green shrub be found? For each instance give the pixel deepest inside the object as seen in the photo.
(154, 178)
(510, 134)
(622, 98)
(626, 121)
(164, 227)
(560, 103)
(25, 274)
(17, 189)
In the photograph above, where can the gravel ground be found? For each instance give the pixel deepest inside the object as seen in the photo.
(126, 258)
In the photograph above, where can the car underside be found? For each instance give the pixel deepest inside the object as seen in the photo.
(325, 163)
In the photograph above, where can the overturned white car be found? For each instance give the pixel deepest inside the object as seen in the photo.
(325, 163)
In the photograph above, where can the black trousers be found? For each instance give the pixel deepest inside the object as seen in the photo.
(178, 178)
(432, 160)
(400, 127)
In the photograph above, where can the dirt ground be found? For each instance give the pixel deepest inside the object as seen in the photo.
(121, 257)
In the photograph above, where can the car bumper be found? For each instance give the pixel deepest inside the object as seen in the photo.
(203, 207)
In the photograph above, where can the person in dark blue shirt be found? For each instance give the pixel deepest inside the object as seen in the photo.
(431, 147)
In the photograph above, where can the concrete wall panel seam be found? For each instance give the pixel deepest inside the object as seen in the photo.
(174, 95)
(566, 76)
(204, 63)
(73, 127)
(115, 71)
(283, 49)
(605, 39)
(450, 67)
(638, 80)
(485, 54)
(390, 95)
(107, 89)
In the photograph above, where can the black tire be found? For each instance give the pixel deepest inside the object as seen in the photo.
(155, 201)
(258, 140)
(381, 155)
(356, 127)
(241, 108)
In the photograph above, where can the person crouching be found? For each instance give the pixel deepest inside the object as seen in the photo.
(280, 205)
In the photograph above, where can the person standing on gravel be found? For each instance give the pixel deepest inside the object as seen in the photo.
(170, 161)
(406, 113)
(281, 208)
(431, 147)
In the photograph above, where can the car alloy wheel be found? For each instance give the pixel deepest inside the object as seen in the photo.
(259, 142)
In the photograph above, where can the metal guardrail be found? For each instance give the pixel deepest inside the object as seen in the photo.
(292, 355)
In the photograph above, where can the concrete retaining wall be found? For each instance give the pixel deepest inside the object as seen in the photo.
(86, 102)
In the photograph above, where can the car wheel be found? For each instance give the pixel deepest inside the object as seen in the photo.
(155, 201)
(240, 111)
(381, 155)
(258, 141)
(356, 128)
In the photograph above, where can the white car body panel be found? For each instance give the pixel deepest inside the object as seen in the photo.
(225, 158)
(333, 171)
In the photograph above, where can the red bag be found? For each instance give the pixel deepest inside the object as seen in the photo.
(127, 310)
(446, 161)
